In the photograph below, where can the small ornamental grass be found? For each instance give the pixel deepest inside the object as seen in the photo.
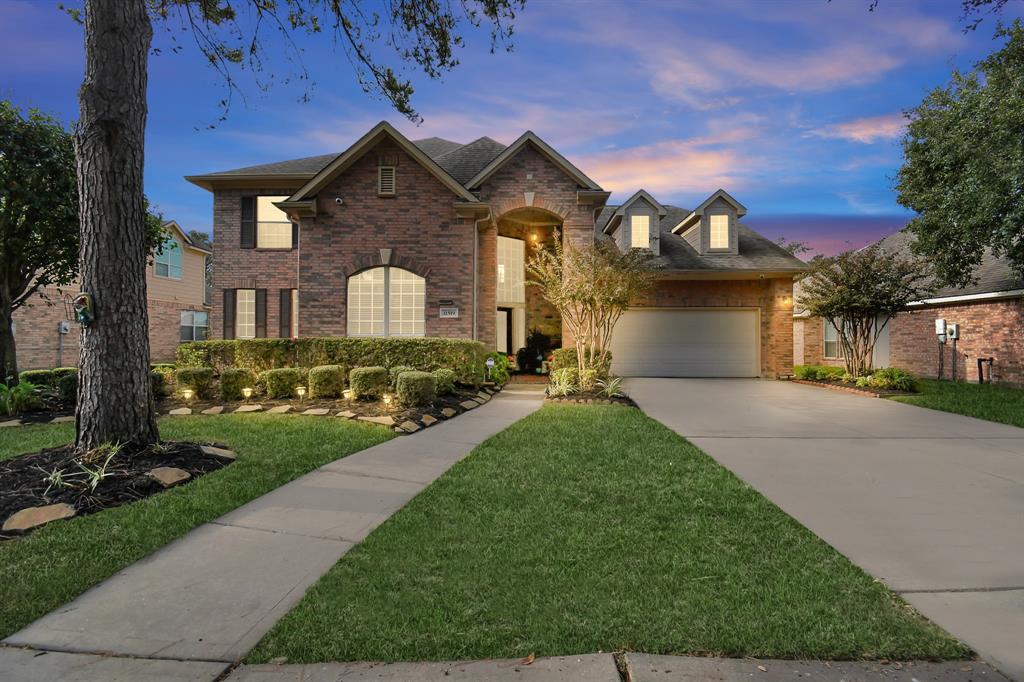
(326, 381)
(281, 383)
(368, 383)
(200, 380)
(415, 388)
(445, 381)
(233, 380)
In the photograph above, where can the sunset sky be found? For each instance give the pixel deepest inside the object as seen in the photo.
(792, 106)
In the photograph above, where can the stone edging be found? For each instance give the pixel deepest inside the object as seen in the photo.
(845, 389)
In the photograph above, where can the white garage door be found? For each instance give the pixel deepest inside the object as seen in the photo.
(686, 343)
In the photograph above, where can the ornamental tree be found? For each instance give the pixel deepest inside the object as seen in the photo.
(858, 292)
(964, 165)
(590, 285)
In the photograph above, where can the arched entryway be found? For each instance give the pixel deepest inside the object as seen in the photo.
(521, 309)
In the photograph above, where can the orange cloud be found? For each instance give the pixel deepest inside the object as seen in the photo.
(865, 130)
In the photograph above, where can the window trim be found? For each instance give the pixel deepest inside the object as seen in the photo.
(165, 252)
(194, 326)
(386, 321)
(380, 181)
(238, 313)
(711, 232)
(646, 243)
(256, 224)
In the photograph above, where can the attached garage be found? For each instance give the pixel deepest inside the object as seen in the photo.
(691, 342)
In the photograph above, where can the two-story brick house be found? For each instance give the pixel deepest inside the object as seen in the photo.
(175, 300)
(430, 238)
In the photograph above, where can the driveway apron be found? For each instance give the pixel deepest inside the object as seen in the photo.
(932, 503)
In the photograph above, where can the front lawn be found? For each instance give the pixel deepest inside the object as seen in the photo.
(57, 562)
(984, 401)
(595, 528)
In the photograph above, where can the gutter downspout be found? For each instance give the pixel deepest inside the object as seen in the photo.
(476, 269)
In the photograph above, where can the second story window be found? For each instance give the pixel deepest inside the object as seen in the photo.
(719, 232)
(640, 231)
(167, 263)
(273, 228)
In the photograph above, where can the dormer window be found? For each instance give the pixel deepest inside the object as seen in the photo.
(719, 237)
(386, 180)
(640, 231)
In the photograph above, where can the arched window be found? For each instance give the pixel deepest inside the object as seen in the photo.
(168, 262)
(386, 301)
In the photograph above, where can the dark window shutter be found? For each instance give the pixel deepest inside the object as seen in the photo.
(286, 314)
(229, 313)
(248, 231)
(261, 313)
(295, 235)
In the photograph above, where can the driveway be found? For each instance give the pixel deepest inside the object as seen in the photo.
(931, 503)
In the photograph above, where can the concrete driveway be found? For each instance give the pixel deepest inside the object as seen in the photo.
(929, 502)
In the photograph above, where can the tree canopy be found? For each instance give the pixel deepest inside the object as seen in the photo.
(858, 292)
(964, 167)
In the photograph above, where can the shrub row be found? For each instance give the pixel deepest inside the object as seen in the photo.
(887, 378)
(464, 357)
(567, 357)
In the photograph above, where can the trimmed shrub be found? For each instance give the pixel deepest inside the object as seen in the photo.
(566, 357)
(589, 378)
(444, 380)
(395, 371)
(39, 377)
(199, 379)
(818, 372)
(158, 382)
(415, 388)
(894, 379)
(60, 372)
(463, 356)
(368, 383)
(233, 380)
(326, 381)
(67, 387)
(281, 383)
(499, 374)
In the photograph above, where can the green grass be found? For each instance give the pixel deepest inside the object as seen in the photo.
(56, 563)
(583, 529)
(984, 401)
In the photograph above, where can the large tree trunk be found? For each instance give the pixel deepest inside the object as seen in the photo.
(115, 397)
(8, 353)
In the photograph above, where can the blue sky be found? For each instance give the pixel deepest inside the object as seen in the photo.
(793, 106)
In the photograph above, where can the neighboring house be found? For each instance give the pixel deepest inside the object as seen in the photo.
(176, 301)
(430, 238)
(990, 314)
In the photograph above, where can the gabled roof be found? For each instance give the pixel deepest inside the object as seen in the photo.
(529, 137)
(993, 274)
(435, 146)
(465, 161)
(175, 227)
(617, 216)
(692, 217)
(379, 132)
(757, 254)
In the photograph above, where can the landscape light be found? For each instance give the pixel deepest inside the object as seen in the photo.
(247, 392)
(187, 393)
(301, 390)
(388, 398)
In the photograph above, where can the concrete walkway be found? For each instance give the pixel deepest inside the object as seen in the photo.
(209, 597)
(931, 503)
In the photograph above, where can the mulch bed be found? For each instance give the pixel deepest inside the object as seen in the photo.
(23, 481)
(856, 390)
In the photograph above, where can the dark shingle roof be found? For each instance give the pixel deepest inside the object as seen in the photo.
(436, 146)
(756, 252)
(993, 274)
(309, 165)
(463, 163)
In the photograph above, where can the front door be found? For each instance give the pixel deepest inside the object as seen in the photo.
(503, 327)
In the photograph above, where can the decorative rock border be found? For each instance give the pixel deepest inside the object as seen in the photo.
(855, 390)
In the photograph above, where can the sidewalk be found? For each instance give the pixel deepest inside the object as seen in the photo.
(203, 601)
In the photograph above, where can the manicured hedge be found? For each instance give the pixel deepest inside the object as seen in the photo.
(415, 388)
(39, 377)
(281, 383)
(818, 372)
(326, 381)
(199, 379)
(233, 380)
(67, 387)
(395, 371)
(368, 383)
(465, 357)
(566, 357)
(60, 372)
(444, 380)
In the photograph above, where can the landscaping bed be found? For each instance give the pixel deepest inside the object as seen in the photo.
(837, 385)
(591, 398)
(85, 484)
(595, 529)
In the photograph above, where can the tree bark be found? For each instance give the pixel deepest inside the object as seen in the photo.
(115, 397)
(8, 352)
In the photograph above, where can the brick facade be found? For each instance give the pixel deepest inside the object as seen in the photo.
(772, 297)
(987, 329)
